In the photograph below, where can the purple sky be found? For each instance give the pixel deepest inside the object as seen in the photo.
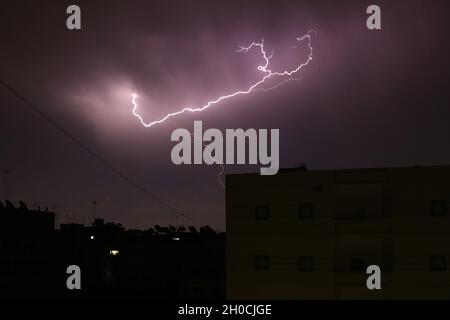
(368, 99)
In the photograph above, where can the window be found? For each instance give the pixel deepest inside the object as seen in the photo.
(306, 211)
(438, 208)
(438, 263)
(306, 264)
(359, 213)
(357, 265)
(261, 262)
(262, 213)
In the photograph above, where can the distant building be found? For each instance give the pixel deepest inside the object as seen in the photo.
(26, 253)
(311, 234)
(23, 223)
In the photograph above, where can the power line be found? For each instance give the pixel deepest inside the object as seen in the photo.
(90, 151)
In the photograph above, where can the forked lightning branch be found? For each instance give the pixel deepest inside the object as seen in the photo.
(233, 152)
(281, 77)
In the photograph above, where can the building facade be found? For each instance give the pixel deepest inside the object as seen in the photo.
(311, 234)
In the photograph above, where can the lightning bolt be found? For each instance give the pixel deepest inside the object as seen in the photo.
(257, 86)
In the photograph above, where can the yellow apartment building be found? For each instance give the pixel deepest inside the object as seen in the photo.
(311, 234)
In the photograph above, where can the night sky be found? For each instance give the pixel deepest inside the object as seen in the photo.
(368, 98)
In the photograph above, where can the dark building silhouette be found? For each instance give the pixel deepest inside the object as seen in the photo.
(311, 234)
(159, 263)
(23, 223)
(27, 260)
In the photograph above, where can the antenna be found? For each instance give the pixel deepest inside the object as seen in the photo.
(5, 181)
(94, 203)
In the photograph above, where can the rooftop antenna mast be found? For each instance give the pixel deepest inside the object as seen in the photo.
(5, 182)
(94, 204)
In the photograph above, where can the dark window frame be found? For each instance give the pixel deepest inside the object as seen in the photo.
(305, 264)
(259, 215)
(359, 213)
(358, 265)
(443, 267)
(304, 215)
(261, 262)
(433, 208)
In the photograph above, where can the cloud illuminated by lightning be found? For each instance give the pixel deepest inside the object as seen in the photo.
(254, 87)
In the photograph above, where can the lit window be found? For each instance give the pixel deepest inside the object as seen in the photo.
(438, 263)
(114, 252)
(262, 213)
(306, 211)
(438, 208)
(92, 237)
(306, 263)
(261, 262)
